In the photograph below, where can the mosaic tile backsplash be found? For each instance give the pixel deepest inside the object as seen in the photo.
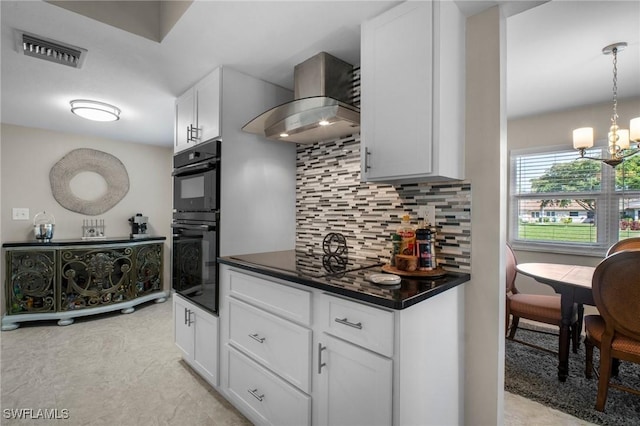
(331, 198)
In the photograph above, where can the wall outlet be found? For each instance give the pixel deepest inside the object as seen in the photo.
(428, 214)
(20, 213)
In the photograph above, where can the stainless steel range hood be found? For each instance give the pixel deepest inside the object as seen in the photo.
(321, 108)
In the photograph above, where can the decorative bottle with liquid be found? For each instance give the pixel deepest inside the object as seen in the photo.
(408, 235)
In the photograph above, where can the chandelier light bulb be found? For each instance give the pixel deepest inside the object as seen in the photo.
(623, 139)
(583, 138)
(634, 129)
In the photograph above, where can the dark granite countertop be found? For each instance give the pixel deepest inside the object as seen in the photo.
(80, 242)
(353, 284)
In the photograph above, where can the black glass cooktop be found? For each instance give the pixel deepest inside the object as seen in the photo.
(314, 265)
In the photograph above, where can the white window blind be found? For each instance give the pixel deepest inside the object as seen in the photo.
(562, 203)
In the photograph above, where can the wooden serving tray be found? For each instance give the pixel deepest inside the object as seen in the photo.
(438, 272)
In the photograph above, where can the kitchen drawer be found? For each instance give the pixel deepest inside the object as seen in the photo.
(360, 324)
(269, 399)
(288, 302)
(278, 344)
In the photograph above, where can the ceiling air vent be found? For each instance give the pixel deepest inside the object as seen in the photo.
(50, 50)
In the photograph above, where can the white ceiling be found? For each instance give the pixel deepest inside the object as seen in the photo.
(554, 58)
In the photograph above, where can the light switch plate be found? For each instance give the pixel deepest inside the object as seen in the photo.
(20, 213)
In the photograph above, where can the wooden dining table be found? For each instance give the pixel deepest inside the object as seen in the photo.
(573, 284)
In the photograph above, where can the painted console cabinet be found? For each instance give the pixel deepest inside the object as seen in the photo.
(296, 355)
(412, 94)
(68, 279)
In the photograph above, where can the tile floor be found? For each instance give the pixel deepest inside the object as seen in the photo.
(125, 370)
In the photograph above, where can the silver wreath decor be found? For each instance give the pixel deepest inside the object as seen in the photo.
(89, 160)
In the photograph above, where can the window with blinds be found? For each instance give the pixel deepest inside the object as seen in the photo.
(562, 203)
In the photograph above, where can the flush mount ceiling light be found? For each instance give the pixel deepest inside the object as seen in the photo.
(620, 146)
(94, 110)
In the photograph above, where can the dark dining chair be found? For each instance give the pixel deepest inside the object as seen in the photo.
(616, 331)
(626, 244)
(533, 307)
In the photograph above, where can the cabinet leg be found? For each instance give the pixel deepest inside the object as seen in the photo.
(127, 310)
(66, 321)
(10, 326)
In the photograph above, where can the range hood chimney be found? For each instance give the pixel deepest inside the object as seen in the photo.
(321, 109)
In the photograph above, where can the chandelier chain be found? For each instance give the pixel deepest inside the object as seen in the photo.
(614, 117)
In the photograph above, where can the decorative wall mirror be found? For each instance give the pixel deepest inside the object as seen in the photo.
(88, 181)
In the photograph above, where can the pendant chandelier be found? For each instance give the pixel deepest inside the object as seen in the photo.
(623, 143)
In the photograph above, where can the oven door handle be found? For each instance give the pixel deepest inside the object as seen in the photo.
(193, 227)
(195, 168)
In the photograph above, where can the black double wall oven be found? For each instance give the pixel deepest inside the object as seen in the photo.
(196, 211)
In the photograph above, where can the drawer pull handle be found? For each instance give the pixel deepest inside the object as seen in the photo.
(320, 363)
(255, 394)
(344, 321)
(257, 338)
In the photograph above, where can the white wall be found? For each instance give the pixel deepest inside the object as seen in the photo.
(27, 157)
(258, 176)
(486, 145)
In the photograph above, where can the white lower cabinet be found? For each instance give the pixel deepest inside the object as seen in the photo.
(354, 385)
(295, 355)
(196, 335)
(278, 344)
(263, 396)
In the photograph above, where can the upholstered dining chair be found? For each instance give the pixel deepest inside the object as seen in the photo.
(533, 307)
(616, 331)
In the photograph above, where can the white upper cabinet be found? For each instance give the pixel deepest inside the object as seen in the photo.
(412, 94)
(198, 113)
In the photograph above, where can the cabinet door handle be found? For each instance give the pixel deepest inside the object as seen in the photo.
(191, 130)
(189, 320)
(344, 321)
(255, 394)
(367, 153)
(257, 338)
(186, 318)
(320, 363)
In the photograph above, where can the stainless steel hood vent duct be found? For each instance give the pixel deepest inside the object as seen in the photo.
(321, 109)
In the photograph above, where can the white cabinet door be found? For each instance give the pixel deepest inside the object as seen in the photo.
(205, 350)
(412, 94)
(264, 397)
(183, 332)
(355, 385)
(198, 113)
(196, 335)
(278, 344)
(185, 119)
(208, 101)
(396, 95)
